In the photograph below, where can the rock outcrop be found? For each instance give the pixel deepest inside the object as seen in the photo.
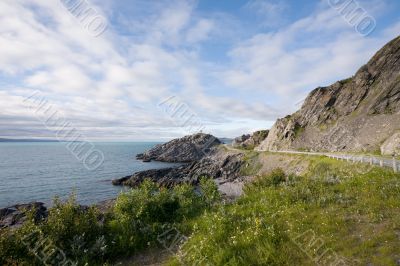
(183, 150)
(392, 145)
(250, 141)
(217, 164)
(356, 114)
(15, 216)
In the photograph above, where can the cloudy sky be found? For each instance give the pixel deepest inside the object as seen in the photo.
(234, 65)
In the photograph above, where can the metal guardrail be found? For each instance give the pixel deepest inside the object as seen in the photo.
(368, 159)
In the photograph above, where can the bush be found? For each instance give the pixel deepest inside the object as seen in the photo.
(143, 213)
(76, 230)
(13, 251)
(70, 233)
(139, 216)
(209, 191)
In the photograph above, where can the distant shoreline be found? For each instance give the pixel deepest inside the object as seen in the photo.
(28, 140)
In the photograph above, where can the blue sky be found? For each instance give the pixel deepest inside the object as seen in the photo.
(236, 65)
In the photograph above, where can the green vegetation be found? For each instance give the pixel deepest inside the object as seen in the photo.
(345, 81)
(336, 212)
(85, 236)
(352, 213)
(262, 134)
(298, 131)
(251, 164)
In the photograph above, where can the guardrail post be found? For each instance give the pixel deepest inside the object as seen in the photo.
(371, 161)
(381, 163)
(394, 165)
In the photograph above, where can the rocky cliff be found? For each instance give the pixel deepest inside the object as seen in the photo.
(183, 150)
(248, 141)
(361, 113)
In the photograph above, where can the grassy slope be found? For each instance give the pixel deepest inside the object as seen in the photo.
(353, 211)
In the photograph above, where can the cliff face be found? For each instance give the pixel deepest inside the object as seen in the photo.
(361, 113)
(187, 149)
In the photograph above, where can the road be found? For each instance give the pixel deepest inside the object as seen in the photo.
(368, 159)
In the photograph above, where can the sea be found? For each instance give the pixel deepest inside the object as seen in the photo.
(39, 171)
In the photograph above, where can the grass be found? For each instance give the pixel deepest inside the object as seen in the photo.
(251, 163)
(354, 214)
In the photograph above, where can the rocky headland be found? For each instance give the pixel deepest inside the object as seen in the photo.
(182, 150)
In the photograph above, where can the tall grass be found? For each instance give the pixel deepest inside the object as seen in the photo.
(353, 214)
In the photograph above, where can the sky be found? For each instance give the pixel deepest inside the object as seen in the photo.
(121, 72)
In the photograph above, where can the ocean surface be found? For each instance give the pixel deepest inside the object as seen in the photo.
(39, 171)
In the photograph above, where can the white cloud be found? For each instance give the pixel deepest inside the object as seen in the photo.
(110, 86)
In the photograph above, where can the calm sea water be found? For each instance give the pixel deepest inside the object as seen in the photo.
(39, 171)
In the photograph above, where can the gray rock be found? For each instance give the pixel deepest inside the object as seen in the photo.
(392, 145)
(183, 150)
(238, 142)
(250, 141)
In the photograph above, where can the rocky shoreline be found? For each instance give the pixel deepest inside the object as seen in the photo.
(201, 154)
(217, 163)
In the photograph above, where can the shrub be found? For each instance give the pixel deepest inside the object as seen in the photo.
(70, 232)
(142, 214)
(76, 230)
(209, 191)
(13, 251)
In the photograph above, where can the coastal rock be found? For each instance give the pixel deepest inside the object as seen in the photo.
(357, 114)
(392, 145)
(218, 164)
(250, 141)
(15, 216)
(183, 150)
